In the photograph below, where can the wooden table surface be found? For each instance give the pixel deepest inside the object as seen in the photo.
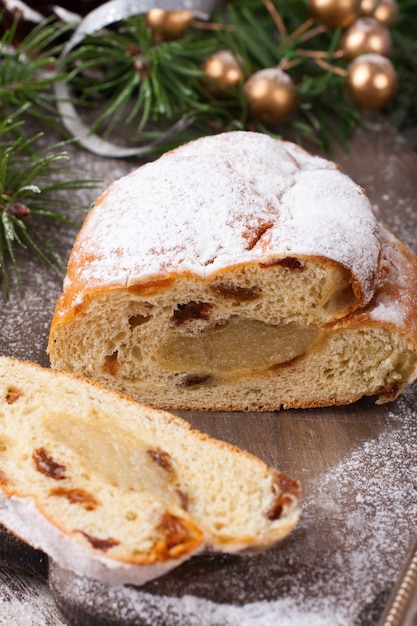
(357, 465)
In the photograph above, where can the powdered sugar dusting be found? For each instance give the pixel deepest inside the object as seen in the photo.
(221, 201)
(394, 302)
(388, 312)
(26, 602)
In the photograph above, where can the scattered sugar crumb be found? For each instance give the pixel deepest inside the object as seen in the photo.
(31, 606)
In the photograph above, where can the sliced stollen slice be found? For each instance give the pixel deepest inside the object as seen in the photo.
(119, 492)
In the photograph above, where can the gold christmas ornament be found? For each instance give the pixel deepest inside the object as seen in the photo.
(335, 13)
(372, 81)
(365, 35)
(222, 73)
(270, 95)
(168, 25)
(385, 11)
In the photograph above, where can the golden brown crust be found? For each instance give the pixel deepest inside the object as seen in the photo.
(395, 299)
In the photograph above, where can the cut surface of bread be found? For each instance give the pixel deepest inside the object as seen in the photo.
(270, 286)
(120, 492)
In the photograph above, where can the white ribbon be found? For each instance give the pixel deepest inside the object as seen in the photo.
(102, 16)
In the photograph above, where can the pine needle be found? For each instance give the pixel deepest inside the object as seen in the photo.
(31, 180)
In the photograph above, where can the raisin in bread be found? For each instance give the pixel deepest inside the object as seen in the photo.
(237, 272)
(120, 492)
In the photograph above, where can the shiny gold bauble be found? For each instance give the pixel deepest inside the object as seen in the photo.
(168, 25)
(270, 95)
(385, 11)
(222, 72)
(366, 35)
(372, 81)
(335, 13)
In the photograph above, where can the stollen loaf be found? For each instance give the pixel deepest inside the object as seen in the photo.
(120, 492)
(238, 272)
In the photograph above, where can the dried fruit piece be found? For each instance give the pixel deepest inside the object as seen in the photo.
(13, 395)
(99, 544)
(175, 536)
(76, 496)
(236, 292)
(115, 455)
(183, 497)
(191, 311)
(46, 465)
(289, 489)
(241, 346)
(163, 459)
(289, 262)
(193, 380)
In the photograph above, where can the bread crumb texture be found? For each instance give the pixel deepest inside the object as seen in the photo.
(116, 490)
(238, 272)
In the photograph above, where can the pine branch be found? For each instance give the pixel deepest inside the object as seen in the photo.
(149, 86)
(28, 70)
(403, 110)
(30, 182)
(162, 83)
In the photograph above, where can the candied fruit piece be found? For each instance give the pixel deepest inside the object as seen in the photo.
(242, 345)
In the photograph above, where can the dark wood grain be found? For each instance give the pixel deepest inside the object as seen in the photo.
(18, 556)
